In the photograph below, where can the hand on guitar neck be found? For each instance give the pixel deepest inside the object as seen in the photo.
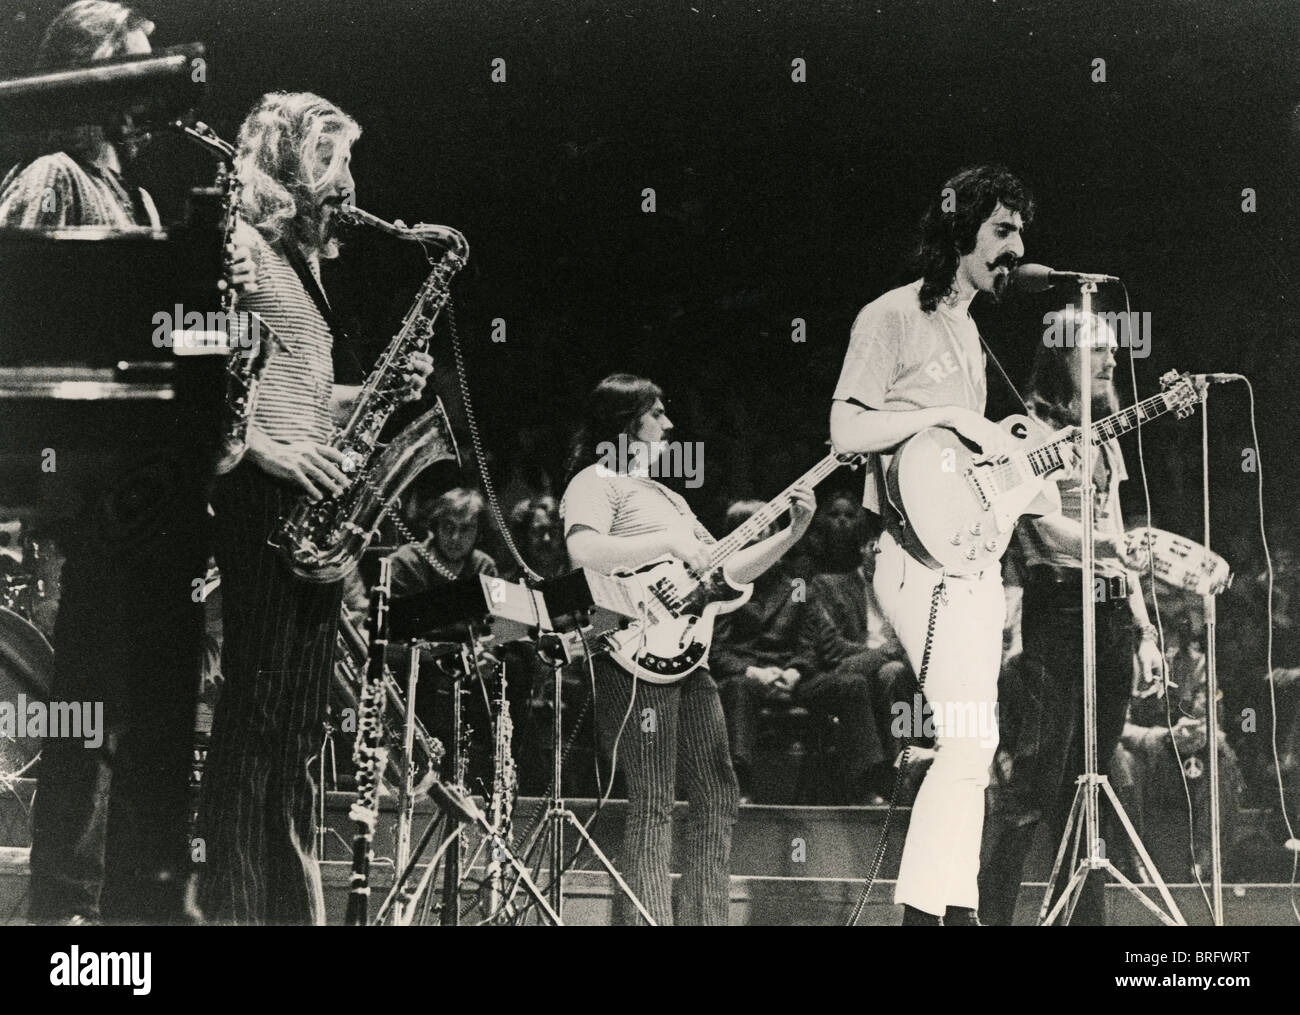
(689, 550)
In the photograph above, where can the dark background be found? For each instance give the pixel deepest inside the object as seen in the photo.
(779, 200)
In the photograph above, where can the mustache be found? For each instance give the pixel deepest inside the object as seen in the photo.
(1009, 261)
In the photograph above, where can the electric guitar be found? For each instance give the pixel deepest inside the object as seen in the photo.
(959, 509)
(681, 604)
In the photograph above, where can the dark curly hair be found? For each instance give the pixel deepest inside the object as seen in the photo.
(945, 236)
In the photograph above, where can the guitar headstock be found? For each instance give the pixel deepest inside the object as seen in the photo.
(1179, 393)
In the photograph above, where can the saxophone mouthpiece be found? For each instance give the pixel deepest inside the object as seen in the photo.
(350, 214)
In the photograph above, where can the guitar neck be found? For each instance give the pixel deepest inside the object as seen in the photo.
(1047, 457)
(754, 525)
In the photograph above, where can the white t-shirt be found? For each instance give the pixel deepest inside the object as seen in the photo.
(614, 504)
(900, 357)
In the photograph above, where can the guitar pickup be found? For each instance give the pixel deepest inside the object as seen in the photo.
(977, 488)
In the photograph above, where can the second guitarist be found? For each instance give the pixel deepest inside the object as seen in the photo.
(617, 518)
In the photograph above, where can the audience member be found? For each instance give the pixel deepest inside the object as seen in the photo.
(538, 535)
(853, 667)
(753, 658)
(1153, 770)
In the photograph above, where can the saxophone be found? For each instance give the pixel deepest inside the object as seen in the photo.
(249, 338)
(323, 540)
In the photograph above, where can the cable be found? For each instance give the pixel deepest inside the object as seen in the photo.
(939, 593)
(1212, 735)
(394, 516)
(476, 440)
(1272, 688)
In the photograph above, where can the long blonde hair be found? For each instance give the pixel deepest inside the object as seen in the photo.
(282, 144)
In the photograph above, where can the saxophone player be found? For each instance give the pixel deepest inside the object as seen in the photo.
(258, 810)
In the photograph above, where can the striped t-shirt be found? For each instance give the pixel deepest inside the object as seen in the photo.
(57, 190)
(293, 401)
(614, 504)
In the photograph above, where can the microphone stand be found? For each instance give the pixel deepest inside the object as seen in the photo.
(1092, 781)
(1211, 670)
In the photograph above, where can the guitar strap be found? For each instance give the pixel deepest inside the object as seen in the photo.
(998, 363)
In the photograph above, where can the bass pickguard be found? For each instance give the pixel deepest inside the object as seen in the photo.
(680, 612)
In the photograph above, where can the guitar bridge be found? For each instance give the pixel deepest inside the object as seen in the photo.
(667, 595)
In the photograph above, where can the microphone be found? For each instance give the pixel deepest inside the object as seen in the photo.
(1216, 378)
(1034, 278)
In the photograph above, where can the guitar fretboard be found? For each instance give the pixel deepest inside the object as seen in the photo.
(1047, 458)
(754, 525)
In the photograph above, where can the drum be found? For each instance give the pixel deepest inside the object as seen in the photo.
(1177, 561)
(26, 674)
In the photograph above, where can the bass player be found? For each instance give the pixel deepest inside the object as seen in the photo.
(616, 516)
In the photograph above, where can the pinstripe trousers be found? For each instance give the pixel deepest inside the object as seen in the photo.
(259, 794)
(672, 726)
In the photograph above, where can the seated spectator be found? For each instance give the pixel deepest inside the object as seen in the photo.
(836, 536)
(538, 535)
(753, 657)
(1145, 768)
(854, 667)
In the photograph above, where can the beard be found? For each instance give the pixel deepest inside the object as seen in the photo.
(842, 548)
(129, 140)
(1000, 284)
(316, 229)
(1104, 401)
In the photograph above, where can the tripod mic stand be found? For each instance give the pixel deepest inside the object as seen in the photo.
(460, 810)
(550, 830)
(1084, 818)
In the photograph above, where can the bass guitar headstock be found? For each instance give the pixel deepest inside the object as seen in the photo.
(1179, 393)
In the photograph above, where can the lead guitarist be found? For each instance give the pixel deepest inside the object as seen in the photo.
(915, 361)
(616, 516)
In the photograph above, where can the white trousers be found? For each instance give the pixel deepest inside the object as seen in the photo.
(940, 865)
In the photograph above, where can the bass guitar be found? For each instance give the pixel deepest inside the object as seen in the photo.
(681, 604)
